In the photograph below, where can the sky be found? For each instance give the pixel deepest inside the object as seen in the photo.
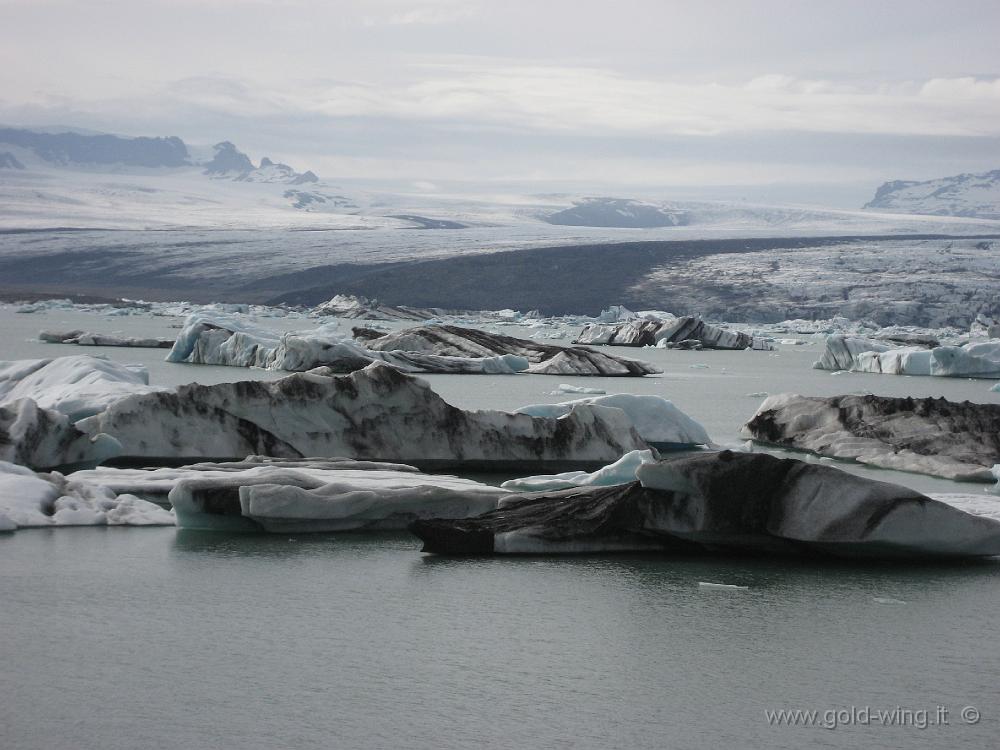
(808, 101)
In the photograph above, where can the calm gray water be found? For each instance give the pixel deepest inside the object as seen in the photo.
(149, 638)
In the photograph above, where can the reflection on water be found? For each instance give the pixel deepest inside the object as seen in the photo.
(152, 637)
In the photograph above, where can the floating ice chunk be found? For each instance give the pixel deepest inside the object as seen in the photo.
(566, 388)
(981, 359)
(28, 499)
(366, 500)
(757, 394)
(724, 502)
(657, 420)
(221, 340)
(45, 439)
(667, 334)
(928, 436)
(83, 338)
(374, 413)
(886, 600)
(621, 471)
(842, 351)
(78, 386)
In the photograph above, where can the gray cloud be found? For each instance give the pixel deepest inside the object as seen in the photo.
(640, 93)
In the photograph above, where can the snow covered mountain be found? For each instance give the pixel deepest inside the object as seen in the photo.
(969, 195)
(231, 163)
(62, 177)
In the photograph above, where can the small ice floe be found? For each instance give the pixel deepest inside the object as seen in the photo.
(700, 366)
(758, 394)
(840, 372)
(721, 586)
(886, 600)
(996, 388)
(567, 388)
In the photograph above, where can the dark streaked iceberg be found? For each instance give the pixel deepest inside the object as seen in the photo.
(46, 439)
(681, 332)
(544, 359)
(724, 503)
(375, 413)
(954, 440)
(223, 340)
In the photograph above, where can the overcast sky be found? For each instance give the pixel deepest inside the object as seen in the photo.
(824, 100)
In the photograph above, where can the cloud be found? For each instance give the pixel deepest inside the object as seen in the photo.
(487, 94)
(425, 13)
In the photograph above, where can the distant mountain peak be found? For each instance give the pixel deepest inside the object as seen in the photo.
(67, 148)
(968, 195)
(228, 158)
(9, 161)
(231, 163)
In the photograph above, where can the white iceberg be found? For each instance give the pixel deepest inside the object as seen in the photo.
(78, 386)
(28, 499)
(621, 471)
(859, 354)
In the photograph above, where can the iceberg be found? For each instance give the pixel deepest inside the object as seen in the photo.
(222, 340)
(78, 386)
(46, 439)
(377, 413)
(667, 333)
(156, 484)
(621, 471)
(860, 354)
(660, 423)
(958, 441)
(364, 500)
(28, 499)
(351, 306)
(543, 359)
(85, 338)
(724, 503)
(842, 351)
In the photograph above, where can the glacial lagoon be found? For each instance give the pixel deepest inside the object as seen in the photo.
(159, 637)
